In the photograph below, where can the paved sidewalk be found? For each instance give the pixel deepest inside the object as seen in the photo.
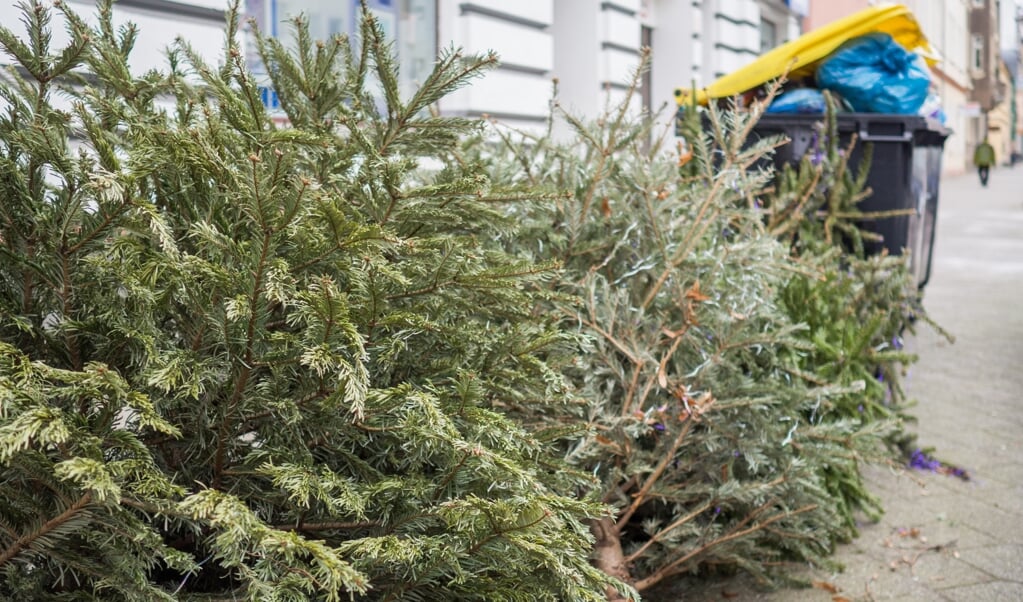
(944, 539)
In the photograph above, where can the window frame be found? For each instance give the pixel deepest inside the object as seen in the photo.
(767, 24)
(977, 50)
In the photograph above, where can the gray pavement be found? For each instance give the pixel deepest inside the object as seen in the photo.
(942, 538)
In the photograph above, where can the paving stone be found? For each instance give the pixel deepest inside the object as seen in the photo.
(998, 591)
(1009, 473)
(1003, 562)
(974, 512)
(941, 570)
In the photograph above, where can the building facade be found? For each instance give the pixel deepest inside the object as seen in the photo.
(999, 118)
(822, 12)
(984, 53)
(946, 24)
(591, 47)
(1012, 54)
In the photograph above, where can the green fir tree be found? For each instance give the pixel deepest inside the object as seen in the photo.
(715, 418)
(243, 361)
(857, 307)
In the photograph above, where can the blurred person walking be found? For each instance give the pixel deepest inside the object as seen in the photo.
(984, 158)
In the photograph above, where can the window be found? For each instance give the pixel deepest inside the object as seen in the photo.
(646, 40)
(325, 18)
(410, 24)
(978, 3)
(273, 18)
(417, 42)
(977, 52)
(768, 35)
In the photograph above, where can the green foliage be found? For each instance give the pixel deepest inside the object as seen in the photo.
(856, 307)
(814, 207)
(331, 360)
(716, 385)
(240, 361)
(696, 420)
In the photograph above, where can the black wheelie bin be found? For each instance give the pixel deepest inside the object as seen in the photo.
(905, 174)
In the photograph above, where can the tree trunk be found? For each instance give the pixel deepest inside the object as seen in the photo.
(609, 555)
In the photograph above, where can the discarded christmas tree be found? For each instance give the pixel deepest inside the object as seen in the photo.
(245, 362)
(857, 306)
(708, 398)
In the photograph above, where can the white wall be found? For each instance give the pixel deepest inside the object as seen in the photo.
(591, 46)
(731, 36)
(520, 33)
(596, 52)
(676, 53)
(158, 28)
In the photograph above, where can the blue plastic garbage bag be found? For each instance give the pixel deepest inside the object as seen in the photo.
(799, 100)
(876, 75)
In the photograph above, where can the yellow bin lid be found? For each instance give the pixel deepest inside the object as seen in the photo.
(800, 56)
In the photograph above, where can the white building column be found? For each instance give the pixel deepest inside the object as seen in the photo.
(676, 48)
(596, 52)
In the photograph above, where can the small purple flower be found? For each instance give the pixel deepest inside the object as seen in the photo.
(860, 408)
(897, 342)
(717, 510)
(922, 461)
(658, 427)
(736, 453)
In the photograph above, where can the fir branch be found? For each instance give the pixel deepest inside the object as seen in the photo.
(451, 474)
(629, 402)
(242, 378)
(108, 220)
(616, 343)
(701, 223)
(661, 533)
(667, 457)
(71, 339)
(674, 567)
(502, 532)
(26, 540)
(327, 526)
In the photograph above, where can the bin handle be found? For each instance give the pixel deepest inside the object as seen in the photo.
(868, 137)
